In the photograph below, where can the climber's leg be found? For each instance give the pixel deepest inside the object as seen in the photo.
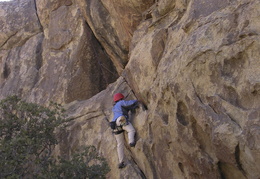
(131, 134)
(120, 146)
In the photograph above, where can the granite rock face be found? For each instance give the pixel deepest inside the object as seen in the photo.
(195, 64)
(48, 52)
(113, 23)
(200, 73)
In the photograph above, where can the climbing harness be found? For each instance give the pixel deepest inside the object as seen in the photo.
(118, 129)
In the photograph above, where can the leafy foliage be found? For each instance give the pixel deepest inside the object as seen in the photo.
(27, 140)
(85, 164)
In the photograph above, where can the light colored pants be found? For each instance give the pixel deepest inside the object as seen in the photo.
(120, 138)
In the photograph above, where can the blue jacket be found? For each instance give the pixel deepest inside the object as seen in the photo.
(122, 107)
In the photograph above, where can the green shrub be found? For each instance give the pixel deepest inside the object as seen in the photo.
(27, 140)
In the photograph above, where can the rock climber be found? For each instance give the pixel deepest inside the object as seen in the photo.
(120, 123)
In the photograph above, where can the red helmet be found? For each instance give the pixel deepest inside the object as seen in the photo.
(118, 96)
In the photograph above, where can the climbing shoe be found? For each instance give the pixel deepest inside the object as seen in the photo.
(132, 144)
(121, 165)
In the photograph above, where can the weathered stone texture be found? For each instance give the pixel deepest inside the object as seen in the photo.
(63, 63)
(18, 23)
(203, 88)
(113, 23)
(20, 45)
(194, 63)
